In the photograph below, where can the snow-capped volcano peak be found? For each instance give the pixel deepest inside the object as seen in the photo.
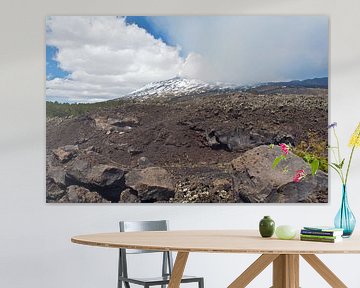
(177, 86)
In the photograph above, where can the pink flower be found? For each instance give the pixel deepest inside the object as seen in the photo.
(284, 148)
(299, 175)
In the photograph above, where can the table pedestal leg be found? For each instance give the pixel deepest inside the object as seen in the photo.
(253, 270)
(286, 271)
(324, 271)
(178, 270)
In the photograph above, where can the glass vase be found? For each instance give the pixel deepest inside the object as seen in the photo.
(345, 219)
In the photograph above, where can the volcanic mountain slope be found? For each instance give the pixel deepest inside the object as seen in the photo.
(188, 147)
(307, 83)
(179, 86)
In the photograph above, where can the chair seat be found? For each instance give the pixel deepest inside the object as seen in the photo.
(167, 262)
(158, 280)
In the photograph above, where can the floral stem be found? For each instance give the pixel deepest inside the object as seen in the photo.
(348, 166)
(338, 145)
(351, 156)
(334, 154)
(339, 155)
(337, 171)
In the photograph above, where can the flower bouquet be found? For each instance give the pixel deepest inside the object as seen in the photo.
(344, 218)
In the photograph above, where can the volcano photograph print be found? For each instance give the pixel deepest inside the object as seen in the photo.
(187, 109)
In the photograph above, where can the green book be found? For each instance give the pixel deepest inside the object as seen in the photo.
(319, 236)
(323, 228)
(338, 239)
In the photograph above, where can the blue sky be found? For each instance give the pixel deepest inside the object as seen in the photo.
(91, 59)
(52, 66)
(146, 23)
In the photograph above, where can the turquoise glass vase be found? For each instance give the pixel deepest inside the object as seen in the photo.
(345, 219)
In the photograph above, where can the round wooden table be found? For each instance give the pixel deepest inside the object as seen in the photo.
(284, 254)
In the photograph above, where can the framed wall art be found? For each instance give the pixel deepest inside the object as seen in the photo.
(186, 109)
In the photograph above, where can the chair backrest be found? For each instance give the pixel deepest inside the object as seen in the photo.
(135, 226)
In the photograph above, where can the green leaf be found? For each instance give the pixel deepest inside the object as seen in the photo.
(314, 166)
(339, 166)
(271, 146)
(334, 167)
(307, 158)
(342, 163)
(277, 161)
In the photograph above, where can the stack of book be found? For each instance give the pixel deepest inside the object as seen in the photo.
(321, 234)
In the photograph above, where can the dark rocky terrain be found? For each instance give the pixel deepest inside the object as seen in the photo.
(208, 148)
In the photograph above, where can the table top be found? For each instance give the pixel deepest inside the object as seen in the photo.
(217, 241)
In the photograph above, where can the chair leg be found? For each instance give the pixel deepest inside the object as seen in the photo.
(126, 284)
(201, 283)
(165, 266)
(120, 273)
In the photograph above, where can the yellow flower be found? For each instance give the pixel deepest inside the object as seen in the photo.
(355, 138)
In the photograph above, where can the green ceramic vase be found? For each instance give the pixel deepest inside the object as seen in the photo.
(267, 227)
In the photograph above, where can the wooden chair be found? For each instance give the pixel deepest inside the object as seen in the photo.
(167, 262)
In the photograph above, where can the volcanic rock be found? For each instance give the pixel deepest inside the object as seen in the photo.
(106, 179)
(77, 194)
(134, 151)
(310, 190)
(256, 181)
(144, 162)
(65, 153)
(56, 175)
(287, 139)
(126, 121)
(236, 140)
(111, 124)
(129, 196)
(152, 184)
(53, 192)
(89, 170)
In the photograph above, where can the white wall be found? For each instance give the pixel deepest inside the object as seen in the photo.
(35, 248)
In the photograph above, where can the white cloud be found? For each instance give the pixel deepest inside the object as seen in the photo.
(106, 58)
(196, 66)
(251, 49)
